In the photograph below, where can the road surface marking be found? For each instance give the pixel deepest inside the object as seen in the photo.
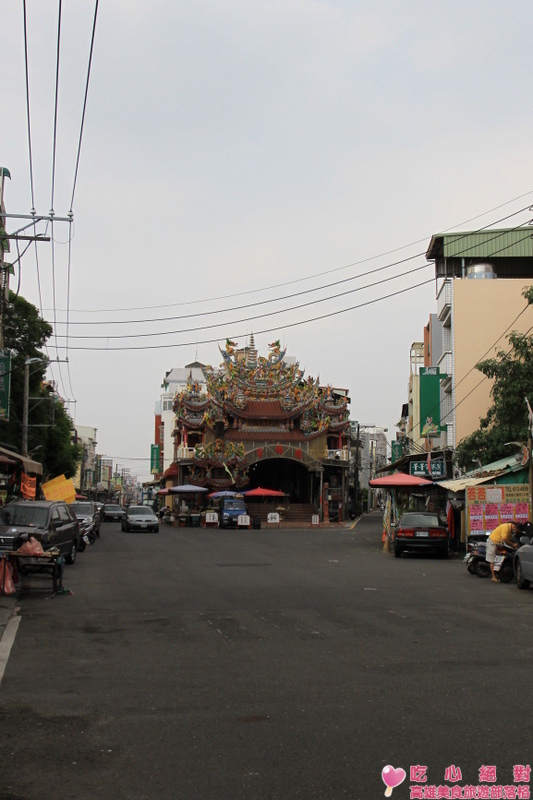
(6, 643)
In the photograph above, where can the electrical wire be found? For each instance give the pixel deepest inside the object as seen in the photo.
(253, 318)
(32, 188)
(68, 306)
(484, 378)
(84, 106)
(479, 360)
(54, 151)
(259, 332)
(28, 106)
(253, 305)
(342, 281)
(323, 272)
(266, 314)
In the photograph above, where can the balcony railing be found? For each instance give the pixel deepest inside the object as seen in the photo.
(339, 455)
(184, 452)
(444, 302)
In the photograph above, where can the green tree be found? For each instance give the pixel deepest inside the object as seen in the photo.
(50, 435)
(507, 418)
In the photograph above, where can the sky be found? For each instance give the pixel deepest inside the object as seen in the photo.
(246, 167)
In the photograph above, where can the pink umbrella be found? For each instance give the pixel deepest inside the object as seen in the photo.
(399, 480)
(259, 492)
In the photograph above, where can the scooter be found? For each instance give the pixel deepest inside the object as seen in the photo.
(477, 564)
(87, 536)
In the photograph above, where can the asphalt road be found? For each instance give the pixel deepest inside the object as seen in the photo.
(271, 665)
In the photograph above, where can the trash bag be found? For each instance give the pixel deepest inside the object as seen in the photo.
(31, 548)
(6, 577)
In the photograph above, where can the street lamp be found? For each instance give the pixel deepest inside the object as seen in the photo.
(25, 402)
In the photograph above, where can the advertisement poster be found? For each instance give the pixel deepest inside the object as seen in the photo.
(490, 505)
(60, 488)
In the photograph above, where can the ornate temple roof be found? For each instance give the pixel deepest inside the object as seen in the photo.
(248, 387)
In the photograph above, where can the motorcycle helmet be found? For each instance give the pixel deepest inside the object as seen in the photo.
(527, 529)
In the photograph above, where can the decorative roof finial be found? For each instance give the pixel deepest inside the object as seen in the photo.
(251, 355)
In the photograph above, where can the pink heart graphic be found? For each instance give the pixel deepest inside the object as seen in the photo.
(392, 777)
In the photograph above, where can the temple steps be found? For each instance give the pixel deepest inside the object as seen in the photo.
(295, 513)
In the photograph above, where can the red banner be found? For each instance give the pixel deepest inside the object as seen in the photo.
(28, 486)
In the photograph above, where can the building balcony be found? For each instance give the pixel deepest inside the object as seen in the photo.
(184, 453)
(444, 303)
(445, 365)
(339, 455)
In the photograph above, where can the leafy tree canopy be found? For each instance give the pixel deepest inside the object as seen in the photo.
(50, 432)
(507, 418)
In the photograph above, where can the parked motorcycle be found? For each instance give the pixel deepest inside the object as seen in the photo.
(87, 535)
(477, 564)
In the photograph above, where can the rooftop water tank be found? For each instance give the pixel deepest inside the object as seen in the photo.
(482, 271)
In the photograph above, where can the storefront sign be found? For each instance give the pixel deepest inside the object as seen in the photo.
(420, 469)
(155, 459)
(488, 506)
(430, 379)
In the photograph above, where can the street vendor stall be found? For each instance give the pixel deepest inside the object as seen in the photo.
(189, 513)
(393, 484)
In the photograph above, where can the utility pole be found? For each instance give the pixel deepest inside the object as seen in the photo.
(530, 451)
(25, 402)
(356, 473)
(4, 248)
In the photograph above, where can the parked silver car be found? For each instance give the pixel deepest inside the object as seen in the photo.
(523, 560)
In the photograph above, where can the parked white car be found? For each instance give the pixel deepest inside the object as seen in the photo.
(523, 560)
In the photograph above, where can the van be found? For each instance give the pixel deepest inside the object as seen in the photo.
(230, 509)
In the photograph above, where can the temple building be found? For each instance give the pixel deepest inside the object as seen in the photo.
(259, 422)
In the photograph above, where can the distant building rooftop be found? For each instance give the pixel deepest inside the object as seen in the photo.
(509, 250)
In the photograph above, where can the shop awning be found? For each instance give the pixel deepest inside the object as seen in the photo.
(400, 480)
(460, 484)
(30, 466)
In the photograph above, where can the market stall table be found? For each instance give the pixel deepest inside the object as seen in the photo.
(48, 563)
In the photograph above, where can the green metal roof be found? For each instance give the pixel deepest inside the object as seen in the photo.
(502, 243)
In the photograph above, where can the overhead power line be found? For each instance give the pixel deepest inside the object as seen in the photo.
(323, 272)
(257, 332)
(255, 317)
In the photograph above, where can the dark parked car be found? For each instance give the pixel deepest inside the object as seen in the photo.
(87, 515)
(53, 523)
(421, 532)
(140, 518)
(523, 560)
(110, 511)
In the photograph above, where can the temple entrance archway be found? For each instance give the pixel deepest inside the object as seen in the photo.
(286, 475)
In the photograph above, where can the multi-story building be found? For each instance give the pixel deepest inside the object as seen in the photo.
(480, 277)
(175, 381)
(85, 478)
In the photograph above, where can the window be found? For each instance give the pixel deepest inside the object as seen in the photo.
(64, 516)
(167, 404)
